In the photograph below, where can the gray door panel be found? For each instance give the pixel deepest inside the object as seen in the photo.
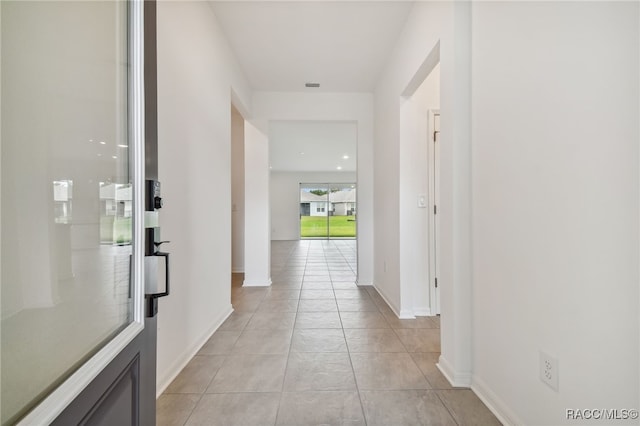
(124, 392)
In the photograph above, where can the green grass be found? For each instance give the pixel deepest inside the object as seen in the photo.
(316, 226)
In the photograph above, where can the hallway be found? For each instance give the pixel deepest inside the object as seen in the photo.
(316, 349)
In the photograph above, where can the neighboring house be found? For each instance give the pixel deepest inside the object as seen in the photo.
(341, 203)
(312, 204)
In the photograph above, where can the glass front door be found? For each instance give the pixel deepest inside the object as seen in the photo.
(67, 192)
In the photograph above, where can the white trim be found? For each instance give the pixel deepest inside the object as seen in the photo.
(423, 311)
(364, 284)
(55, 403)
(386, 300)
(237, 270)
(256, 283)
(181, 361)
(433, 223)
(455, 378)
(136, 108)
(494, 403)
(407, 314)
(404, 314)
(423, 71)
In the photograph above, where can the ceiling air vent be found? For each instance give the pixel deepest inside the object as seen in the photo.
(312, 85)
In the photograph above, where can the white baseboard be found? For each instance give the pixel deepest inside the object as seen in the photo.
(256, 283)
(389, 304)
(384, 297)
(237, 270)
(364, 283)
(404, 313)
(423, 312)
(494, 403)
(455, 378)
(407, 314)
(176, 367)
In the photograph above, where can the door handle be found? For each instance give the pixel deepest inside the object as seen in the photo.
(159, 243)
(166, 274)
(152, 298)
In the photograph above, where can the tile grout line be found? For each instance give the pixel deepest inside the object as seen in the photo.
(353, 371)
(323, 253)
(355, 379)
(319, 267)
(286, 365)
(201, 395)
(193, 409)
(446, 408)
(226, 357)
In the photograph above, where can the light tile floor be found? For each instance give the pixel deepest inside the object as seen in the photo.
(314, 349)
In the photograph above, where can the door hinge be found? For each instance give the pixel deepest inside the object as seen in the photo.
(435, 209)
(436, 283)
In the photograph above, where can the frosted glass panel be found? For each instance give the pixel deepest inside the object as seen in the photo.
(66, 192)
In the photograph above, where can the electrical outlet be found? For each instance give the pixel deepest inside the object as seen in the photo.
(549, 371)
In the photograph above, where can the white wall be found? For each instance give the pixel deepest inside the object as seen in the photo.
(196, 73)
(555, 202)
(357, 107)
(257, 240)
(285, 199)
(416, 167)
(555, 239)
(430, 26)
(237, 191)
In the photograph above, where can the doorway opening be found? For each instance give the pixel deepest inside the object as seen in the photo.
(328, 211)
(237, 191)
(237, 198)
(420, 124)
(312, 184)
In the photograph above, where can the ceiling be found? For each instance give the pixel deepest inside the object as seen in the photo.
(313, 146)
(343, 45)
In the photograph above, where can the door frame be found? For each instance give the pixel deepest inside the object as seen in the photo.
(49, 409)
(433, 217)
